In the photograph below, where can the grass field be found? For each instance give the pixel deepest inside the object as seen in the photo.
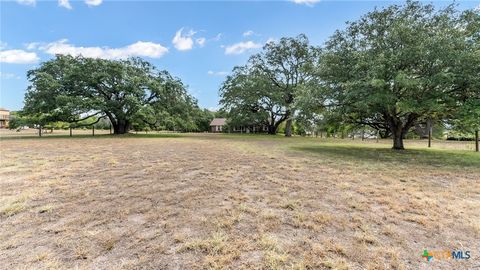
(235, 202)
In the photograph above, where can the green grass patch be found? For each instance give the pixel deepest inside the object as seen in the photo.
(383, 155)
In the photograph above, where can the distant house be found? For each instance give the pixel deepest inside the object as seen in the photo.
(250, 129)
(4, 118)
(217, 124)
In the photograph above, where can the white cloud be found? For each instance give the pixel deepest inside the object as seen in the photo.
(27, 2)
(32, 45)
(242, 47)
(201, 41)
(183, 41)
(93, 2)
(18, 57)
(8, 75)
(139, 48)
(217, 37)
(305, 2)
(62, 3)
(248, 33)
(217, 73)
(65, 4)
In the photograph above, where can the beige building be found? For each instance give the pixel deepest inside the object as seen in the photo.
(217, 125)
(4, 118)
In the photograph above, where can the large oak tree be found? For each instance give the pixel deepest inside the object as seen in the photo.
(73, 89)
(395, 67)
(264, 90)
(466, 117)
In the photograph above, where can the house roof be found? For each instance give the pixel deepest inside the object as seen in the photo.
(218, 122)
(3, 109)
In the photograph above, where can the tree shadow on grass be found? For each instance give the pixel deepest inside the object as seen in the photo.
(386, 156)
(153, 135)
(97, 136)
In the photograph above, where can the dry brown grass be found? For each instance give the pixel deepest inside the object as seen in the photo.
(220, 202)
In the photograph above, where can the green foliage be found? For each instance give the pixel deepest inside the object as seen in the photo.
(374, 156)
(263, 91)
(220, 114)
(468, 116)
(203, 119)
(17, 122)
(21, 119)
(75, 89)
(397, 66)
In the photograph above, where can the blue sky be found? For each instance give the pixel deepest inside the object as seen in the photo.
(197, 41)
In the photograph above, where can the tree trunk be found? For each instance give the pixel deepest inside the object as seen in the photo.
(288, 128)
(396, 127)
(400, 128)
(272, 129)
(398, 132)
(121, 127)
(398, 142)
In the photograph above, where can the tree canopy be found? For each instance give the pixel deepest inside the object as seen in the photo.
(263, 91)
(73, 89)
(397, 66)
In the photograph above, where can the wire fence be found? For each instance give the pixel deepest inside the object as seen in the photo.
(89, 131)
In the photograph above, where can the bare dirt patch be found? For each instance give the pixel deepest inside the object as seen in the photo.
(209, 202)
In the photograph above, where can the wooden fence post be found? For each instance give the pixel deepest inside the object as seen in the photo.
(429, 138)
(70, 131)
(429, 127)
(93, 130)
(476, 141)
(40, 131)
(110, 128)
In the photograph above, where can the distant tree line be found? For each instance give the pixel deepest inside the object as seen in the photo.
(393, 70)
